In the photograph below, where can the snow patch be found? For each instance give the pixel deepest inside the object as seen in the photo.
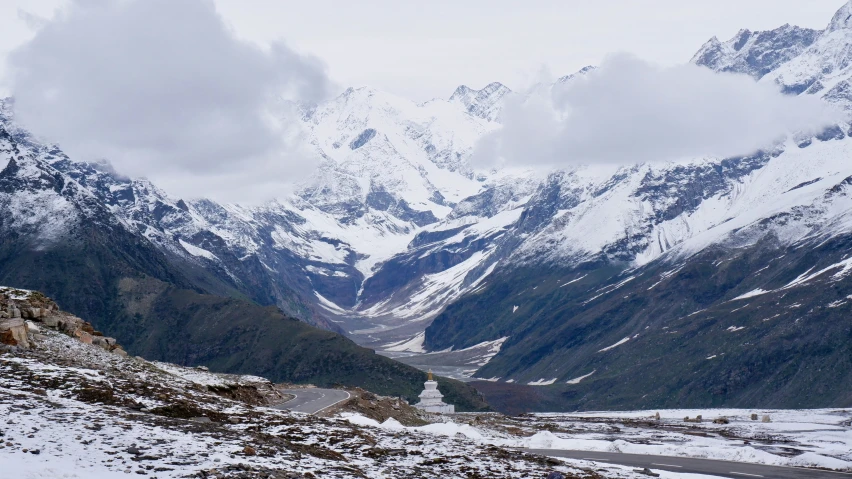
(614, 345)
(413, 345)
(542, 382)
(196, 251)
(578, 379)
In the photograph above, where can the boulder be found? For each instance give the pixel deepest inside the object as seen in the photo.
(85, 337)
(70, 325)
(51, 321)
(13, 332)
(104, 342)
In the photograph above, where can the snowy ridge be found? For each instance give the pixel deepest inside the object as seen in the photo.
(800, 61)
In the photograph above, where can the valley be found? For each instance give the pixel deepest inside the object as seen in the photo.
(400, 244)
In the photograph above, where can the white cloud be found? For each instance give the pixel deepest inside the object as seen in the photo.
(164, 89)
(631, 111)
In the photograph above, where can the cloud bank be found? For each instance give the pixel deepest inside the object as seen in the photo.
(630, 111)
(164, 89)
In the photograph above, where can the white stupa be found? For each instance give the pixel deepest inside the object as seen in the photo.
(430, 398)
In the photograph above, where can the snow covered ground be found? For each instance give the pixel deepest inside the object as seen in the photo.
(72, 410)
(805, 438)
(801, 438)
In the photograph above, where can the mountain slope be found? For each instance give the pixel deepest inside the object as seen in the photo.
(707, 283)
(57, 237)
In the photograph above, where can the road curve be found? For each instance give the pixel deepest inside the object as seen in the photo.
(736, 470)
(312, 400)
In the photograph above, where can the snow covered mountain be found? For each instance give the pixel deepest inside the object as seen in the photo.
(389, 169)
(710, 281)
(397, 229)
(799, 60)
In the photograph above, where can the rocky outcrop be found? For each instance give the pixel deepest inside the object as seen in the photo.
(13, 332)
(23, 312)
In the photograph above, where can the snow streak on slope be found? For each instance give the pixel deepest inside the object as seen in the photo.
(768, 192)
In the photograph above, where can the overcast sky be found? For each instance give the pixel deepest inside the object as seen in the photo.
(423, 50)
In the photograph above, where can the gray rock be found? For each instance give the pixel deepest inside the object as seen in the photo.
(50, 321)
(103, 342)
(646, 472)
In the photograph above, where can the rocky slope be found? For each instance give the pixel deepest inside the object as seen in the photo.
(75, 410)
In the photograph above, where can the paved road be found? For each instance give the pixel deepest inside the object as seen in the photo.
(737, 470)
(312, 400)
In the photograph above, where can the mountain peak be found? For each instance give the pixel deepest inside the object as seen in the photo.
(755, 53)
(842, 20)
(461, 92)
(493, 87)
(464, 91)
(583, 71)
(483, 103)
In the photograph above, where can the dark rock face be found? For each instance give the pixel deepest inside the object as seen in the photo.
(380, 200)
(362, 139)
(692, 185)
